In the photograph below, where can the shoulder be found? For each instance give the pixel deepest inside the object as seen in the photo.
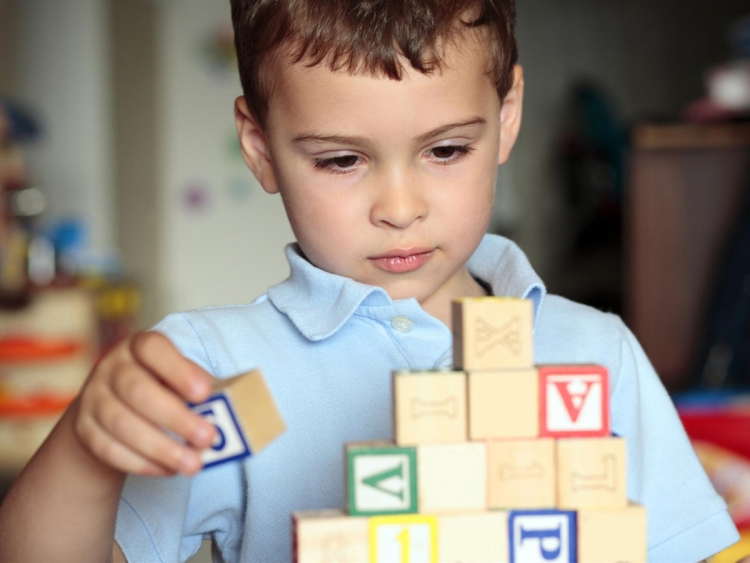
(226, 339)
(570, 332)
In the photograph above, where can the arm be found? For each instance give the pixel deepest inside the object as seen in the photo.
(686, 518)
(117, 555)
(65, 497)
(63, 505)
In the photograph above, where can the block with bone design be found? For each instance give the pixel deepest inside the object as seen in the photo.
(498, 461)
(429, 407)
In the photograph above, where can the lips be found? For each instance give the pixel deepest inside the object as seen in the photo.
(400, 260)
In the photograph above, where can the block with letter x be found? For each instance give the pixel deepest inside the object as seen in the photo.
(542, 536)
(381, 479)
(245, 416)
(492, 333)
(574, 401)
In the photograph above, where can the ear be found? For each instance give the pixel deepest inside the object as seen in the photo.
(254, 146)
(510, 116)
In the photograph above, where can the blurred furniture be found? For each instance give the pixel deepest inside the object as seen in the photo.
(686, 185)
(46, 352)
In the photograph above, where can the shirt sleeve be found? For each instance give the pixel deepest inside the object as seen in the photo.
(165, 519)
(687, 520)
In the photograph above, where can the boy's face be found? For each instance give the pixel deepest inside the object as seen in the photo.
(388, 183)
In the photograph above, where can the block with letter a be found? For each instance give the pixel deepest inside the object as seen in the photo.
(382, 479)
(404, 539)
(574, 401)
(542, 536)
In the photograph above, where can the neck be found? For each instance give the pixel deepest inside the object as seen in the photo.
(439, 306)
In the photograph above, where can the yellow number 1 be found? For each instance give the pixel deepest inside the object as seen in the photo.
(403, 537)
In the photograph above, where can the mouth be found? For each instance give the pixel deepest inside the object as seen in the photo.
(402, 260)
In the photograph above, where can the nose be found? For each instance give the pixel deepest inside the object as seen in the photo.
(399, 202)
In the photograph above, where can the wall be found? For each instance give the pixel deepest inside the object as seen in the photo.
(62, 70)
(133, 31)
(650, 57)
(221, 238)
(6, 45)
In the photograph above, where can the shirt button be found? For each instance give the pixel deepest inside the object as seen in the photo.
(402, 324)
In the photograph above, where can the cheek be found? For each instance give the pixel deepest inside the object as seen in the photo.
(470, 198)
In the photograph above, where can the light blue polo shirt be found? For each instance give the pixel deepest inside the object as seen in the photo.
(327, 346)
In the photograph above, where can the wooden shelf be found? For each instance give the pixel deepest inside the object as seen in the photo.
(687, 136)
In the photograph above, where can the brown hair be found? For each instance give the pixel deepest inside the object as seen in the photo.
(365, 36)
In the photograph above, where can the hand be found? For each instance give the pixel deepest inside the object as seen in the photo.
(135, 393)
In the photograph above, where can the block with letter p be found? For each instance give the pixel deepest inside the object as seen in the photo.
(542, 535)
(381, 479)
(245, 417)
(574, 401)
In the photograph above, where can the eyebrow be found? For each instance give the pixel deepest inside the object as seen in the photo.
(321, 137)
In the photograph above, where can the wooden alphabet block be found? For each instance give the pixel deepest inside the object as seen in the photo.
(591, 473)
(430, 407)
(404, 539)
(245, 416)
(381, 479)
(612, 535)
(542, 535)
(503, 404)
(574, 401)
(329, 536)
(492, 333)
(522, 473)
(452, 477)
(480, 537)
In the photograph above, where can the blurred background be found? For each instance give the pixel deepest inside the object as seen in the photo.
(125, 197)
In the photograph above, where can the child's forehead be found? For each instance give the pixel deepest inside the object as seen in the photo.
(303, 90)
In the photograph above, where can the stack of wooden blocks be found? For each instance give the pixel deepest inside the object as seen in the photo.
(499, 461)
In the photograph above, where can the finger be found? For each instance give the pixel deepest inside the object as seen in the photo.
(159, 405)
(158, 355)
(145, 439)
(115, 454)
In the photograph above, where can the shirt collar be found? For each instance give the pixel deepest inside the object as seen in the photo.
(319, 303)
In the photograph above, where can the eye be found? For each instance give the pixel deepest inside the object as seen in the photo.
(337, 164)
(450, 153)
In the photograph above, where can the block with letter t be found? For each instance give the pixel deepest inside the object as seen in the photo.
(522, 473)
(574, 401)
(381, 479)
(591, 472)
(245, 416)
(542, 535)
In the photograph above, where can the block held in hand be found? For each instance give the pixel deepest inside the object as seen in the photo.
(245, 416)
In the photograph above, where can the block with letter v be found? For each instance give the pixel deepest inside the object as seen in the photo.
(381, 479)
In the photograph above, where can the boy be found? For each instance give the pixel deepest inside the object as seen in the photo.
(381, 124)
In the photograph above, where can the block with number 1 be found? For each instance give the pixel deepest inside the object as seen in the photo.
(245, 417)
